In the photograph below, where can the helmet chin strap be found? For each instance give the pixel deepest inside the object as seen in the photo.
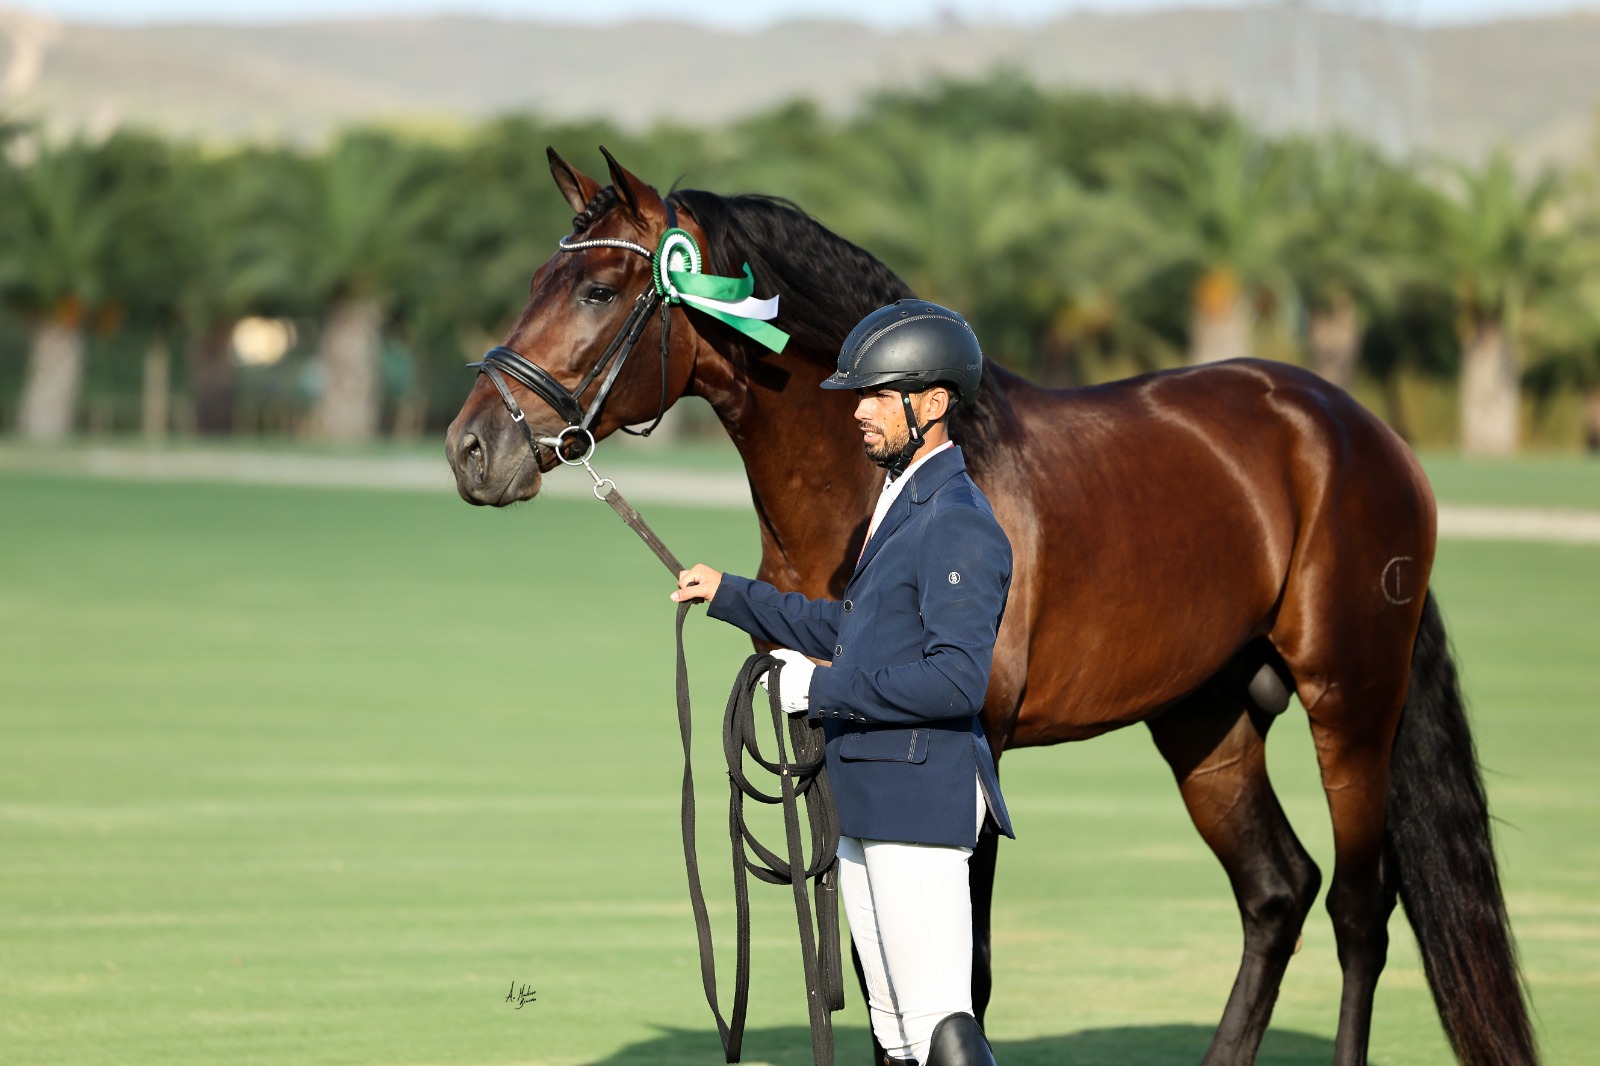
(896, 465)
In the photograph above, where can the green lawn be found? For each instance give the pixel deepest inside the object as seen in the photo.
(303, 776)
(1566, 481)
(1570, 482)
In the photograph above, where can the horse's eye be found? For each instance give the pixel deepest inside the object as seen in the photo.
(599, 294)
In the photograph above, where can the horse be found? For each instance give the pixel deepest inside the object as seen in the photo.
(1191, 546)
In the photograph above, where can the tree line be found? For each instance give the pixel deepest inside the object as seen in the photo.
(1086, 236)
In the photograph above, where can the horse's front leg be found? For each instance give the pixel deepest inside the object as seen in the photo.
(981, 873)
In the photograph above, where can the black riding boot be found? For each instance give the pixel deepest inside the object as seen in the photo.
(957, 1041)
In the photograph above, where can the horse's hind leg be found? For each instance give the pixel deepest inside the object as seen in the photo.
(1351, 670)
(1351, 663)
(1362, 893)
(1217, 752)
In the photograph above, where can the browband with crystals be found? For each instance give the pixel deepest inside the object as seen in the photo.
(676, 277)
(676, 268)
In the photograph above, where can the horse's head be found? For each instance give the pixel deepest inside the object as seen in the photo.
(587, 350)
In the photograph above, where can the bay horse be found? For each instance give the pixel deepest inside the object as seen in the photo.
(1190, 547)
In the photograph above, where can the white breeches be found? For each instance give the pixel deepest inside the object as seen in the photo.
(910, 911)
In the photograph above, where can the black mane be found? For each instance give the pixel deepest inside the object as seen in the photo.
(825, 285)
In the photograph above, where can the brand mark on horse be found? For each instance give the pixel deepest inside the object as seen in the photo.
(1391, 579)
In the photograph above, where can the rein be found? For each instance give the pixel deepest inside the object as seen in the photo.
(800, 774)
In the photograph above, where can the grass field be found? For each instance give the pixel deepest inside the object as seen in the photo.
(304, 776)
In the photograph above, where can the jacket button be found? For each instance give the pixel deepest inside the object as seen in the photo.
(838, 649)
(848, 606)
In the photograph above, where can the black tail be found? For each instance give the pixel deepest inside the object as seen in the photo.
(1438, 835)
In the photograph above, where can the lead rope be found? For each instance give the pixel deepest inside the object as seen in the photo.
(803, 776)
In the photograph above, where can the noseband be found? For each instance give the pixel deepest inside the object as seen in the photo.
(729, 300)
(566, 403)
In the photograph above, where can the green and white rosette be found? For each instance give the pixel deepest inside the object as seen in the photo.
(678, 279)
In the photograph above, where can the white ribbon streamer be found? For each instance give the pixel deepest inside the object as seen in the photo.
(749, 307)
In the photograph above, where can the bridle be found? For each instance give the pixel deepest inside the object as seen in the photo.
(500, 360)
(800, 774)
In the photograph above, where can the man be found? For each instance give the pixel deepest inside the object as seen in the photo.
(908, 653)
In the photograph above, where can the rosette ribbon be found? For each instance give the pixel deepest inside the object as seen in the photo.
(677, 270)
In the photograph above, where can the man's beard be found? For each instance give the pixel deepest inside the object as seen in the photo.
(887, 447)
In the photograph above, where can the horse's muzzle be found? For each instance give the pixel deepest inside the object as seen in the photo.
(492, 472)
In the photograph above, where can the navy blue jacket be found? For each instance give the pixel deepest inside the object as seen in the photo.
(910, 644)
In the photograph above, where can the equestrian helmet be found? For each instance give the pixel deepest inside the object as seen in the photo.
(910, 345)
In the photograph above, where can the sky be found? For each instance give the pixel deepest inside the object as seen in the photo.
(743, 14)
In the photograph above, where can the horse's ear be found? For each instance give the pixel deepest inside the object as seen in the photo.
(577, 187)
(637, 195)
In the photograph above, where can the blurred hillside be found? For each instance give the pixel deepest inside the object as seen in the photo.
(1529, 83)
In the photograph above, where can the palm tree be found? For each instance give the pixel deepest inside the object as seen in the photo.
(1348, 254)
(156, 270)
(1220, 200)
(353, 230)
(1564, 355)
(983, 224)
(1411, 329)
(1074, 131)
(60, 219)
(1568, 359)
(1503, 250)
(498, 221)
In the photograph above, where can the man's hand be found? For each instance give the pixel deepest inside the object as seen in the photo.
(794, 680)
(699, 582)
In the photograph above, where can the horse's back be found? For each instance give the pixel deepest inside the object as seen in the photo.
(1164, 520)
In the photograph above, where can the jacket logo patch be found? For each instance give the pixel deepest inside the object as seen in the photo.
(955, 578)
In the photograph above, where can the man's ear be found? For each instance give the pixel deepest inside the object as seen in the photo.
(935, 403)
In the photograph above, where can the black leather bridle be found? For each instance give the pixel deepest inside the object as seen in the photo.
(801, 774)
(500, 360)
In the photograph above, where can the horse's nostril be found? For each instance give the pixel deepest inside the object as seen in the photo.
(472, 455)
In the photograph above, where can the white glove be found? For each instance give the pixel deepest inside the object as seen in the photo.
(794, 681)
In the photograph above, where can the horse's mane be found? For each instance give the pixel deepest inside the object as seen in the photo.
(826, 285)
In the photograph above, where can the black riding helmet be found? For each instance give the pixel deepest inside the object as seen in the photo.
(910, 345)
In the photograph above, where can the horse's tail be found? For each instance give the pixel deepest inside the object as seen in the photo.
(1438, 835)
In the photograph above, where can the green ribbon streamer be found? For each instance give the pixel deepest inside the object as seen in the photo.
(728, 300)
(729, 290)
(712, 287)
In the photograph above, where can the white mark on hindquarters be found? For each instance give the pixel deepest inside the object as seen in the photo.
(1392, 582)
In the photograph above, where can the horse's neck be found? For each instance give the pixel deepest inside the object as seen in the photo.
(813, 487)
